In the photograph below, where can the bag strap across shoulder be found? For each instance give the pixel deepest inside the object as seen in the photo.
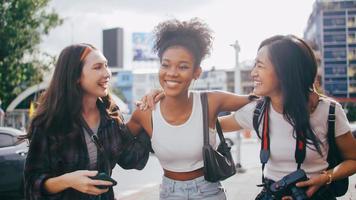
(94, 137)
(204, 102)
(205, 108)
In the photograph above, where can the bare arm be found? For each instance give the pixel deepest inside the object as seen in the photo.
(134, 124)
(220, 101)
(228, 123)
(226, 101)
(140, 120)
(346, 144)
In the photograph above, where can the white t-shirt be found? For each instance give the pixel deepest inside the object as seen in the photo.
(282, 142)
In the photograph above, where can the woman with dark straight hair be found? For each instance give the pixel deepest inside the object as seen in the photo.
(77, 130)
(292, 120)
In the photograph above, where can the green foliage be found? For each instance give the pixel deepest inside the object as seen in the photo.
(351, 111)
(22, 23)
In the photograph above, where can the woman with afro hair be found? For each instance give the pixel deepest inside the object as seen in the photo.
(176, 125)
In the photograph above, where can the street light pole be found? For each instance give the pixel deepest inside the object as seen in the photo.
(237, 87)
(237, 84)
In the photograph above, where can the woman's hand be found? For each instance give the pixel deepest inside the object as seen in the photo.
(314, 184)
(80, 180)
(150, 99)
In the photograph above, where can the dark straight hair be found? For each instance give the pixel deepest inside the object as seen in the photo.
(296, 68)
(60, 106)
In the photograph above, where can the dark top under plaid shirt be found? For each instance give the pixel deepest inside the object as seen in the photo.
(51, 156)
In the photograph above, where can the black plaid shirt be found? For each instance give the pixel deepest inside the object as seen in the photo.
(51, 156)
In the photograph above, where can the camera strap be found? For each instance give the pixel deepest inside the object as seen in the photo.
(261, 114)
(95, 139)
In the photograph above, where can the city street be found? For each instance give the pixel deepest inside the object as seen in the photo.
(73, 73)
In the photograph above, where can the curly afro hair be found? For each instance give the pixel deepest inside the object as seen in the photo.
(194, 35)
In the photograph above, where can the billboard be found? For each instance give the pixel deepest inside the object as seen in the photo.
(142, 44)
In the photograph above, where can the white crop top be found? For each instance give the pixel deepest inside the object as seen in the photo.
(179, 147)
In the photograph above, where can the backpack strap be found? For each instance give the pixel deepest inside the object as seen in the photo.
(257, 117)
(331, 133)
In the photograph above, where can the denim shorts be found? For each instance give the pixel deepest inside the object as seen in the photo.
(196, 189)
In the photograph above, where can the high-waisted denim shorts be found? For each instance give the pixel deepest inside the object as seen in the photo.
(196, 189)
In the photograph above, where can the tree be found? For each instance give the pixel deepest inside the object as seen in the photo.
(22, 23)
(351, 111)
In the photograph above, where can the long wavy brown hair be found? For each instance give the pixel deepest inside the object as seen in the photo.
(60, 106)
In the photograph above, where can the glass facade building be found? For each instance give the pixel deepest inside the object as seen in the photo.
(332, 27)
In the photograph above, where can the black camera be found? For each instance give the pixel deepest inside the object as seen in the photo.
(286, 186)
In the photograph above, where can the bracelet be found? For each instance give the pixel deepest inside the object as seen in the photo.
(330, 176)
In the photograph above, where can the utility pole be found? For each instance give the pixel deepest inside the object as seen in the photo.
(237, 84)
(2, 115)
(236, 46)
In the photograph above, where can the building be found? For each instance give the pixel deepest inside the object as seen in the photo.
(113, 47)
(17, 113)
(211, 80)
(246, 79)
(144, 81)
(225, 79)
(123, 80)
(332, 27)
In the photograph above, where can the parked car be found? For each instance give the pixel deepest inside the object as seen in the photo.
(13, 153)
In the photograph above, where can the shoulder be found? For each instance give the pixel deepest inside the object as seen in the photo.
(250, 107)
(341, 121)
(327, 101)
(247, 110)
(197, 93)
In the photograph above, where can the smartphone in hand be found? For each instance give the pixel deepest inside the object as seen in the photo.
(104, 177)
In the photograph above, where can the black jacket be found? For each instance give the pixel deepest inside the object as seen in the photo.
(52, 155)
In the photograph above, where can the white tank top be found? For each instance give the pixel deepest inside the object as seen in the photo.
(179, 147)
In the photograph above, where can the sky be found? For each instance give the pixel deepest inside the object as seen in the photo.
(248, 21)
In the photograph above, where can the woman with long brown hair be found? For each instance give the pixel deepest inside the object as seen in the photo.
(74, 116)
